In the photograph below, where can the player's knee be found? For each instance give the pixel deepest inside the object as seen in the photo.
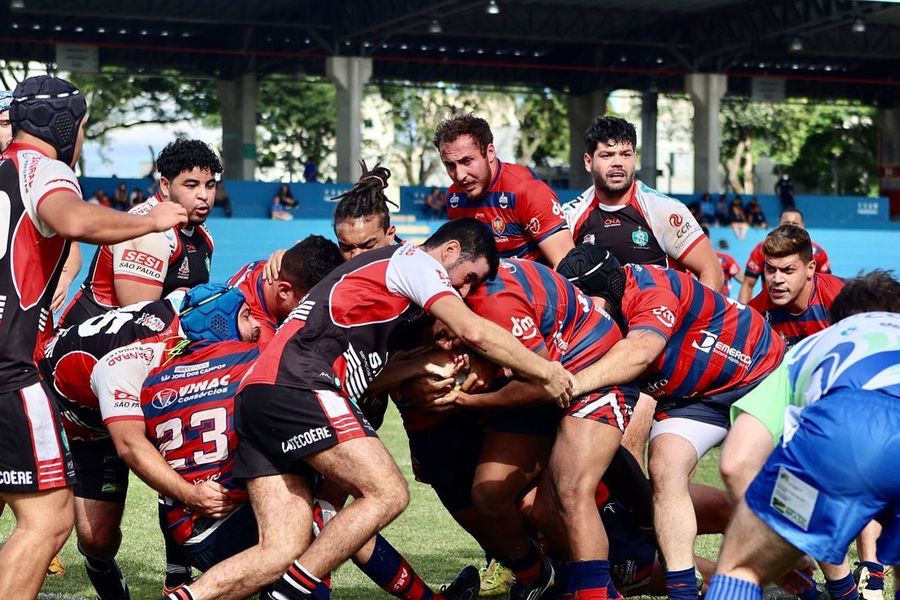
(99, 538)
(572, 491)
(491, 497)
(735, 472)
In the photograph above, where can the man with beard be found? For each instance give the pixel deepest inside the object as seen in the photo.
(152, 266)
(521, 210)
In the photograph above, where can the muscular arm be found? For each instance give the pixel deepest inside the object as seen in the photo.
(746, 292)
(73, 218)
(555, 247)
(701, 261)
(144, 459)
(624, 362)
(132, 292)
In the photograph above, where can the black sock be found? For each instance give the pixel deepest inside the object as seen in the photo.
(106, 577)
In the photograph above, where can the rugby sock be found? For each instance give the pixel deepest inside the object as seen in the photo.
(723, 587)
(178, 567)
(298, 583)
(528, 568)
(392, 573)
(682, 585)
(843, 588)
(810, 593)
(182, 593)
(876, 575)
(106, 577)
(590, 580)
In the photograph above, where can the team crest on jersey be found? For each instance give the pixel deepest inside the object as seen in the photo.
(503, 201)
(454, 200)
(589, 239)
(184, 271)
(498, 225)
(151, 322)
(640, 237)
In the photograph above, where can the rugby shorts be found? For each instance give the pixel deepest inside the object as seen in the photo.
(99, 472)
(609, 406)
(834, 474)
(278, 426)
(34, 450)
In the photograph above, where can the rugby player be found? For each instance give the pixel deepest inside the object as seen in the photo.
(95, 370)
(754, 268)
(45, 210)
(806, 500)
(152, 266)
(730, 267)
(795, 298)
(693, 349)
(6, 135)
(320, 362)
(521, 210)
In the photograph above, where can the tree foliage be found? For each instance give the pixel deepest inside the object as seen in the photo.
(296, 123)
(543, 129)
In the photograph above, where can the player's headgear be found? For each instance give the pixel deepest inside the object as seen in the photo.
(595, 271)
(5, 100)
(210, 312)
(51, 109)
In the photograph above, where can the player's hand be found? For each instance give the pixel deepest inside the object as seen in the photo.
(559, 384)
(59, 295)
(273, 266)
(481, 374)
(209, 499)
(449, 402)
(167, 215)
(423, 391)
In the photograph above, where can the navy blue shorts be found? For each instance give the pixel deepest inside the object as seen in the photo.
(833, 475)
(215, 540)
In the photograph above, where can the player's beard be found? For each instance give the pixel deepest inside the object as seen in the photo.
(613, 191)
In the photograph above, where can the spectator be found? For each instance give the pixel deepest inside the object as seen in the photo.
(707, 210)
(435, 205)
(738, 218)
(120, 198)
(310, 172)
(723, 211)
(222, 198)
(284, 198)
(694, 207)
(755, 214)
(137, 197)
(784, 189)
(100, 198)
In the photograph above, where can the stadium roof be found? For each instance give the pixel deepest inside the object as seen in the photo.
(822, 48)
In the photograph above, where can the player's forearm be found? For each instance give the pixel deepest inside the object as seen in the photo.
(712, 277)
(515, 394)
(399, 370)
(148, 464)
(624, 363)
(100, 225)
(495, 343)
(746, 292)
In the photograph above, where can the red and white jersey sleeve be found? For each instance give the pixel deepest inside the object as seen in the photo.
(117, 378)
(40, 177)
(144, 259)
(674, 227)
(414, 274)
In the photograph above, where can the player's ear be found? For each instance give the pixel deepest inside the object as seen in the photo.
(164, 185)
(284, 289)
(451, 251)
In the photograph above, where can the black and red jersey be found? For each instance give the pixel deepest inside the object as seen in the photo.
(96, 368)
(188, 407)
(340, 335)
(713, 344)
(31, 257)
(172, 259)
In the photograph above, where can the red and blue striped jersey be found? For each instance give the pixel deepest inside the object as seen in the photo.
(521, 210)
(814, 318)
(714, 344)
(188, 407)
(730, 268)
(545, 311)
(249, 279)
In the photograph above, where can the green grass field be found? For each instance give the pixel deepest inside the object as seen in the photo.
(435, 546)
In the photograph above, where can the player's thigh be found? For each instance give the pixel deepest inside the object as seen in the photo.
(581, 453)
(509, 461)
(362, 466)
(49, 512)
(282, 506)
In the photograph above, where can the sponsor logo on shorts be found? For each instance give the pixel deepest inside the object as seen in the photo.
(16, 477)
(301, 440)
(710, 343)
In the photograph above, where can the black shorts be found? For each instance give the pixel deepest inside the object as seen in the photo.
(445, 457)
(34, 451)
(279, 426)
(99, 472)
(542, 419)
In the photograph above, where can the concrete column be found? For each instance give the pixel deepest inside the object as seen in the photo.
(582, 109)
(706, 91)
(349, 74)
(238, 98)
(648, 138)
(888, 129)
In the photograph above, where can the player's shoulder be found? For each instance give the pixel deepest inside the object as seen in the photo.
(829, 283)
(519, 178)
(760, 302)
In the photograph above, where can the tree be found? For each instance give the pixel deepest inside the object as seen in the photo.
(296, 123)
(543, 128)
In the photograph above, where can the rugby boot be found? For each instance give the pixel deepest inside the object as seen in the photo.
(495, 580)
(545, 580)
(56, 568)
(464, 586)
(861, 576)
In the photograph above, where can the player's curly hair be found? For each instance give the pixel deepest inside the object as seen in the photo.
(458, 125)
(609, 129)
(875, 291)
(366, 198)
(308, 261)
(184, 155)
